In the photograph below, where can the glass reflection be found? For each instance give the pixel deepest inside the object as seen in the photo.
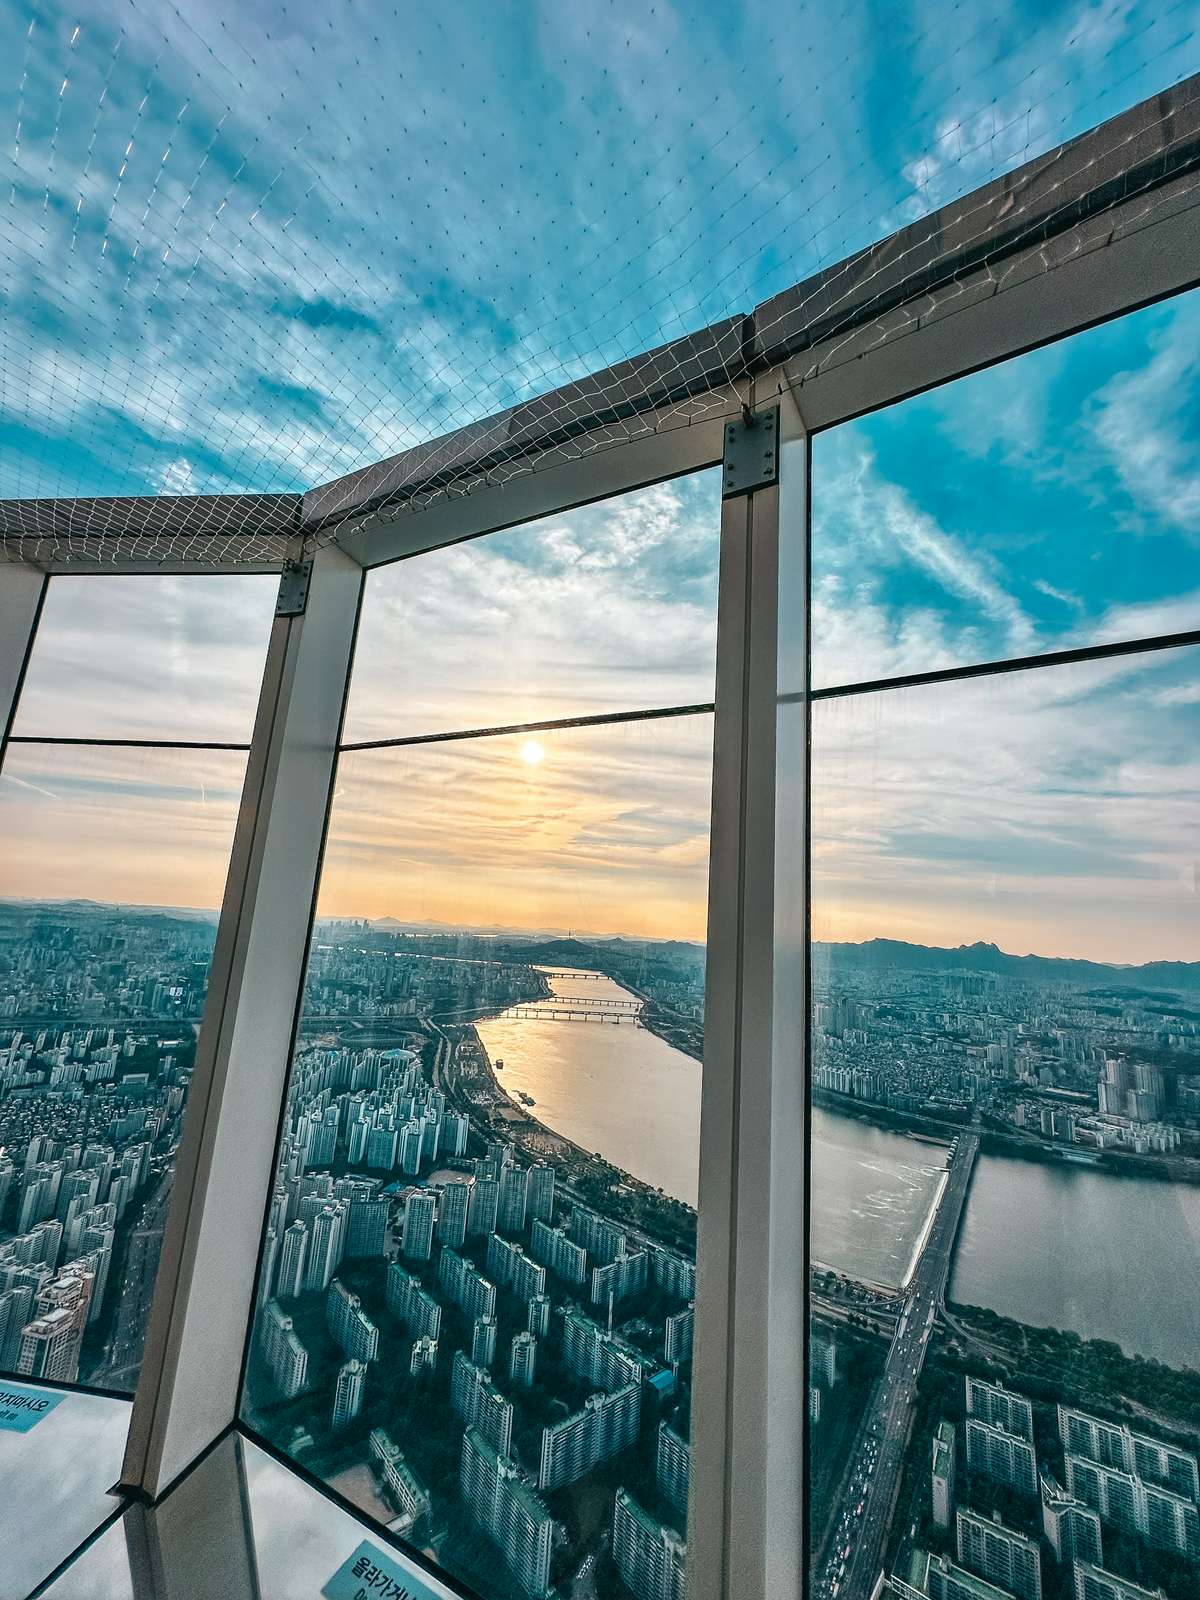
(240, 1525)
(1004, 1382)
(55, 1478)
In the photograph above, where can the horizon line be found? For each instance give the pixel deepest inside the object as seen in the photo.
(494, 932)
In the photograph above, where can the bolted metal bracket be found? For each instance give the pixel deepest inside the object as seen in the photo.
(293, 589)
(751, 453)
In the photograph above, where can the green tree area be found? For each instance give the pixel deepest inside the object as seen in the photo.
(1049, 1366)
(1053, 1364)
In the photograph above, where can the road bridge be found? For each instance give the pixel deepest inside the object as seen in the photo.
(889, 1416)
(548, 1011)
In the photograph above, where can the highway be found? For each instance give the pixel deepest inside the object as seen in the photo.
(874, 1480)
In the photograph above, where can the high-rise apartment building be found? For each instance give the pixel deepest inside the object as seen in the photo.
(348, 1393)
(616, 1280)
(553, 1247)
(994, 1404)
(470, 1291)
(1072, 1528)
(411, 1303)
(513, 1269)
(522, 1360)
(595, 1356)
(351, 1327)
(1114, 1444)
(537, 1316)
(479, 1404)
(483, 1342)
(420, 1213)
(453, 1205)
(422, 1358)
(999, 1554)
(483, 1206)
(509, 1511)
(283, 1351)
(1000, 1455)
(1093, 1583)
(325, 1246)
(941, 1475)
(606, 1425)
(1127, 1503)
(293, 1258)
(50, 1346)
(366, 1235)
(540, 1192)
(510, 1217)
(398, 1479)
(679, 1331)
(946, 1580)
(650, 1557)
(673, 1466)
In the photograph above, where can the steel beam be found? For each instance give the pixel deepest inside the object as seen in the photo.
(746, 1516)
(203, 1304)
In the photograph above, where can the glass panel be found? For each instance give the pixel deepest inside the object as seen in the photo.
(476, 1303)
(1047, 503)
(295, 1541)
(1006, 1103)
(610, 607)
(55, 1474)
(149, 657)
(113, 868)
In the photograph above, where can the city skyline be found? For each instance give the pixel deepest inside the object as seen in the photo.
(435, 1248)
(537, 932)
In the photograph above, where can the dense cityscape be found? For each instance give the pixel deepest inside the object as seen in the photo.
(470, 1326)
(480, 1332)
(969, 1456)
(99, 1008)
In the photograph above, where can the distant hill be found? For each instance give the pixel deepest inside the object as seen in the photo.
(896, 954)
(94, 908)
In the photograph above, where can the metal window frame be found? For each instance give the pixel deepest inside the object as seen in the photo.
(747, 1517)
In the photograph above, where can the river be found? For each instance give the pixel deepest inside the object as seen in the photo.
(1062, 1246)
(612, 1087)
(1075, 1247)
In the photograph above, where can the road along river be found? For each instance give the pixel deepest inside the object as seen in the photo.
(1060, 1245)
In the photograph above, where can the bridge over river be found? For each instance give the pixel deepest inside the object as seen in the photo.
(889, 1416)
(572, 1008)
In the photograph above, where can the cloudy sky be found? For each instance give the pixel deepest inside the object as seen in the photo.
(252, 244)
(393, 238)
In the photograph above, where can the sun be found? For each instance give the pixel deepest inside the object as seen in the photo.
(531, 752)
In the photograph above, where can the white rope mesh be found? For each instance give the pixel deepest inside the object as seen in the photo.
(247, 264)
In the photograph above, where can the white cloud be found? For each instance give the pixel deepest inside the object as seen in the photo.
(1144, 421)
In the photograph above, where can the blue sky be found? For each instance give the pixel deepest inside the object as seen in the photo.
(370, 226)
(256, 245)
(1044, 504)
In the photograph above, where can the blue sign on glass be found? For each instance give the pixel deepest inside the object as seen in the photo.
(22, 1408)
(370, 1574)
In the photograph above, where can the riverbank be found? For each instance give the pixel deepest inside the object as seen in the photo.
(1003, 1142)
(1051, 1364)
(589, 1175)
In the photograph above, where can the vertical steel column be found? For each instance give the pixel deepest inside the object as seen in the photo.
(203, 1302)
(746, 1517)
(22, 592)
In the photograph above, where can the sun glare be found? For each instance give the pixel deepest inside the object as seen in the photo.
(531, 752)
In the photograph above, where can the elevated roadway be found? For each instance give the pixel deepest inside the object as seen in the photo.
(888, 1421)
